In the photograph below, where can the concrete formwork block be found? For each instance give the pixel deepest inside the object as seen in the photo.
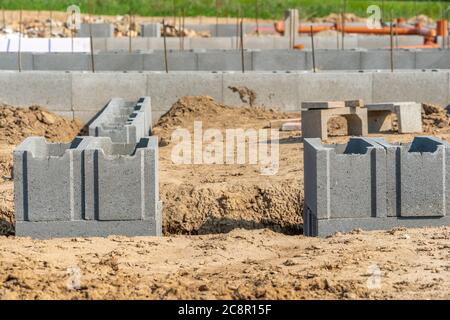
(315, 121)
(432, 59)
(49, 89)
(152, 30)
(123, 44)
(335, 86)
(99, 44)
(343, 181)
(123, 121)
(165, 89)
(333, 43)
(262, 43)
(10, 61)
(176, 60)
(335, 60)
(61, 61)
(90, 187)
(409, 116)
(47, 180)
(121, 181)
(224, 60)
(432, 87)
(91, 90)
(417, 178)
(381, 59)
(211, 43)
(172, 43)
(269, 60)
(99, 30)
(119, 61)
(258, 89)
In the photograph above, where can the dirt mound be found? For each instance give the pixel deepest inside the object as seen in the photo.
(212, 114)
(201, 199)
(434, 117)
(16, 124)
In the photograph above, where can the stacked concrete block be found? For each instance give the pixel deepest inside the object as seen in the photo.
(152, 30)
(123, 121)
(90, 187)
(315, 117)
(99, 30)
(409, 116)
(372, 185)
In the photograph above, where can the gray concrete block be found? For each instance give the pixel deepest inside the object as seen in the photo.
(91, 91)
(121, 181)
(10, 61)
(224, 60)
(261, 43)
(333, 43)
(172, 43)
(165, 89)
(334, 60)
(269, 60)
(151, 30)
(335, 86)
(119, 61)
(432, 59)
(283, 95)
(211, 43)
(85, 116)
(49, 89)
(62, 61)
(90, 187)
(123, 121)
(123, 44)
(177, 61)
(431, 87)
(47, 180)
(99, 30)
(417, 181)
(381, 59)
(344, 181)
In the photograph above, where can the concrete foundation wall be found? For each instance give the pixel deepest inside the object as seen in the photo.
(84, 94)
(229, 60)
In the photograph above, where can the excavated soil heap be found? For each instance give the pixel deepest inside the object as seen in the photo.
(16, 124)
(201, 199)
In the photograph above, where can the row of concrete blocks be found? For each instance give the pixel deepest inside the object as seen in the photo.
(122, 121)
(231, 43)
(373, 185)
(153, 30)
(229, 60)
(94, 186)
(81, 94)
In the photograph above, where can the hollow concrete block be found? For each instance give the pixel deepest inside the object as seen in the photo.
(119, 61)
(124, 122)
(152, 30)
(343, 181)
(381, 59)
(228, 60)
(418, 184)
(62, 61)
(90, 187)
(176, 61)
(279, 60)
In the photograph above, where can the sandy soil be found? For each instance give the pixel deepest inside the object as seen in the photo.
(197, 259)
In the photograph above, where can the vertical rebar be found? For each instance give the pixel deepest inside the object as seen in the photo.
(72, 31)
(217, 18)
(165, 46)
(313, 50)
(344, 8)
(51, 23)
(183, 25)
(237, 26)
(19, 50)
(242, 45)
(91, 38)
(257, 16)
(392, 43)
